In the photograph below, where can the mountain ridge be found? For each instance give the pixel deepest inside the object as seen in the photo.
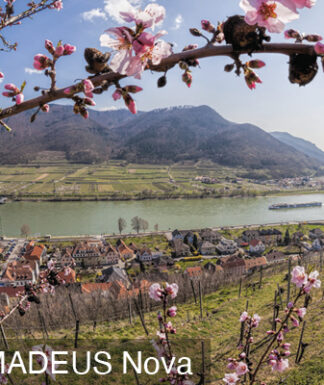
(159, 136)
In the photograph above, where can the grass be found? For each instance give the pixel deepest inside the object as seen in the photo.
(221, 327)
(117, 180)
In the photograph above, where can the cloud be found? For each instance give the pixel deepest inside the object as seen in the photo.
(95, 13)
(32, 71)
(178, 21)
(114, 7)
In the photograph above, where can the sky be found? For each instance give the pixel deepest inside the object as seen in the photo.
(276, 104)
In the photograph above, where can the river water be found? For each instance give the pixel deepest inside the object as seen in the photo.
(81, 218)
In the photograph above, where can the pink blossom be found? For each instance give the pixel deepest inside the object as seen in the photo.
(292, 34)
(45, 108)
(290, 305)
(251, 78)
(88, 87)
(19, 98)
(152, 15)
(286, 346)
(319, 48)
(161, 335)
(150, 52)
(279, 365)
(271, 14)
(58, 4)
(172, 290)
(172, 312)
(121, 42)
(49, 46)
(242, 368)
(155, 292)
(41, 62)
(117, 94)
(280, 337)
(298, 276)
(89, 102)
(69, 49)
(301, 312)
(59, 51)
(294, 321)
(312, 282)
(244, 316)
(294, 4)
(1, 75)
(256, 320)
(206, 25)
(232, 365)
(13, 88)
(187, 78)
(48, 351)
(231, 378)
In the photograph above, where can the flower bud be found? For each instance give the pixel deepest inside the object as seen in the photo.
(162, 81)
(206, 25)
(313, 38)
(49, 46)
(187, 78)
(229, 67)
(195, 32)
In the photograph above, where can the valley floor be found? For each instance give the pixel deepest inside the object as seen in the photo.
(62, 181)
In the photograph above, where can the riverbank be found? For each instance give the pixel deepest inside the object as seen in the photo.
(123, 198)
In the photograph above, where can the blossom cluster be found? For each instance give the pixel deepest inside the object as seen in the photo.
(273, 14)
(135, 48)
(279, 349)
(163, 346)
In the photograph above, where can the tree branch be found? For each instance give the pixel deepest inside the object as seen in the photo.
(166, 64)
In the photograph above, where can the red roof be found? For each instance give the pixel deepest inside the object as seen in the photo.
(12, 291)
(255, 242)
(194, 271)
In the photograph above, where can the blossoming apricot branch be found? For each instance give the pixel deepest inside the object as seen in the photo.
(277, 351)
(136, 49)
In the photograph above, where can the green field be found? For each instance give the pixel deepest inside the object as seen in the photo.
(118, 180)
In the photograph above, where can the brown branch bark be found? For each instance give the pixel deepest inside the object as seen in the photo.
(25, 14)
(166, 64)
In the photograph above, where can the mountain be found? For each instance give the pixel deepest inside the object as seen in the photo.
(158, 136)
(302, 145)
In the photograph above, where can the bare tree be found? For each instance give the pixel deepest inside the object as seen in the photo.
(25, 230)
(136, 224)
(144, 224)
(122, 224)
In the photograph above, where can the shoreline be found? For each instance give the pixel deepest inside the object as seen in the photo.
(154, 198)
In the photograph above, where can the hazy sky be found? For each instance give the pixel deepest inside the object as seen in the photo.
(276, 105)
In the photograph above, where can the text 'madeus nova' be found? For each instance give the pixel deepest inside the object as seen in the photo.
(38, 362)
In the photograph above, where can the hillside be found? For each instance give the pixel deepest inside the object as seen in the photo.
(302, 145)
(160, 136)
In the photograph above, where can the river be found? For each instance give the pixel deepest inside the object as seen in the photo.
(81, 218)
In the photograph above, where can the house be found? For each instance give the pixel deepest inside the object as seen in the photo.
(133, 247)
(194, 272)
(35, 253)
(112, 274)
(145, 255)
(248, 235)
(64, 260)
(124, 251)
(87, 255)
(180, 249)
(252, 264)
(256, 247)
(275, 257)
(111, 256)
(67, 275)
(317, 245)
(316, 233)
(207, 248)
(20, 273)
(177, 235)
(12, 291)
(297, 237)
(226, 246)
(210, 235)
(233, 265)
(213, 268)
(189, 238)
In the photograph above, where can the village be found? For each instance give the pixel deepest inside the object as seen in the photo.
(126, 263)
